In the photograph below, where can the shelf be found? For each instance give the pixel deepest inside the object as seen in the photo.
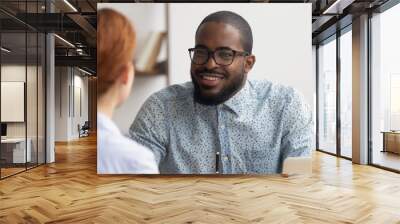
(159, 69)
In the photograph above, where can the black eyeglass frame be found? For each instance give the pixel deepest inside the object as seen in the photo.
(212, 53)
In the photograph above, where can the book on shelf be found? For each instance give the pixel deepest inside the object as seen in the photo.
(147, 59)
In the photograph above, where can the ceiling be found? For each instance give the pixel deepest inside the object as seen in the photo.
(76, 22)
(76, 25)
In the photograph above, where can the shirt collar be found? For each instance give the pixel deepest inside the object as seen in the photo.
(241, 100)
(237, 103)
(106, 123)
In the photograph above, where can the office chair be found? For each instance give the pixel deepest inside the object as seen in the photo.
(84, 130)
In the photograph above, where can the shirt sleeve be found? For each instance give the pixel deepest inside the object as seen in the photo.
(297, 137)
(149, 127)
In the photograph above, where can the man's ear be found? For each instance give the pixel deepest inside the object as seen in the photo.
(249, 63)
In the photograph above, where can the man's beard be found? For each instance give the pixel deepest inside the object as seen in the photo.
(225, 94)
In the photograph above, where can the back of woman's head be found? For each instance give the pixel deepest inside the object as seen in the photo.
(115, 47)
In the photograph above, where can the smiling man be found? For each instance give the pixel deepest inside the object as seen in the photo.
(221, 121)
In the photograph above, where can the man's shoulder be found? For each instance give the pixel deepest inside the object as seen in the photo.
(177, 92)
(268, 90)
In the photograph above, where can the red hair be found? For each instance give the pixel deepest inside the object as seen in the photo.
(115, 46)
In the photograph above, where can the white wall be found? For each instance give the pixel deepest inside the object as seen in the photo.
(61, 103)
(16, 72)
(66, 121)
(80, 84)
(281, 41)
(146, 18)
(33, 126)
(13, 72)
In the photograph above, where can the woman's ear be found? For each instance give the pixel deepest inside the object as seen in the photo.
(249, 63)
(126, 71)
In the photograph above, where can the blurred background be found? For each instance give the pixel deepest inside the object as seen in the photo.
(283, 50)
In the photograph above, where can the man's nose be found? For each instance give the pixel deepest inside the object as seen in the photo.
(210, 64)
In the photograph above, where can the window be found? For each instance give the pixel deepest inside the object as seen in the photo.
(327, 96)
(394, 102)
(385, 88)
(346, 94)
(329, 70)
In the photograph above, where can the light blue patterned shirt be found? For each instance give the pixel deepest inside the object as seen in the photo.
(254, 131)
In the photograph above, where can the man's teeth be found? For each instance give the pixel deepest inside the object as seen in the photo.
(212, 78)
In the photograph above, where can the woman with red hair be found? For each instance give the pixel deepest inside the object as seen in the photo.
(115, 46)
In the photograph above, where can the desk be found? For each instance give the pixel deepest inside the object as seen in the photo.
(391, 141)
(13, 150)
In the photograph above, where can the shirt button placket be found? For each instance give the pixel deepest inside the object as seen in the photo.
(221, 138)
(223, 141)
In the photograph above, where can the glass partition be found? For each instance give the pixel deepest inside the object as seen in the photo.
(327, 96)
(41, 112)
(385, 89)
(31, 100)
(346, 94)
(13, 103)
(22, 67)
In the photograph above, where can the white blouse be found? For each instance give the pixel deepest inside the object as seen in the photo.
(117, 154)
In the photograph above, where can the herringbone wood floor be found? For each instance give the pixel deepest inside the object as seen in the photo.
(70, 191)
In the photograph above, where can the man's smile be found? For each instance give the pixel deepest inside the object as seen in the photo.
(208, 79)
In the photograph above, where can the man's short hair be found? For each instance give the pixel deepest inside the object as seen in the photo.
(236, 21)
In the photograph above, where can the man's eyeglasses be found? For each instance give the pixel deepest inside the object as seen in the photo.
(221, 56)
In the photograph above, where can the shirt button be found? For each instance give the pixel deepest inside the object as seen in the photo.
(226, 158)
